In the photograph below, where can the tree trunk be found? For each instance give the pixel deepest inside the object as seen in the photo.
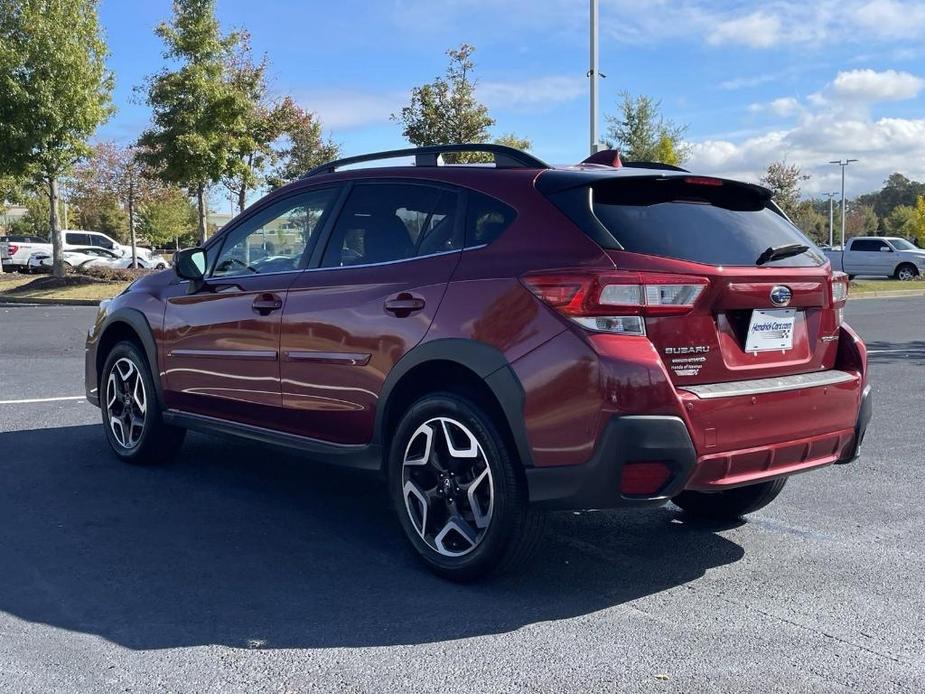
(242, 199)
(57, 243)
(131, 220)
(201, 212)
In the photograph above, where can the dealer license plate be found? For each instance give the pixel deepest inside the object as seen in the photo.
(771, 329)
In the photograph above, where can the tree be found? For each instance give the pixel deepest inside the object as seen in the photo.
(900, 221)
(264, 123)
(55, 90)
(198, 113)
(861, 220)
(304, 147)
(166, 217)
(35, 221)
(641, 133)
(897, 190)
(512, 140)
(812, 222)
(446, 111)
(916, 229)
(784, 181)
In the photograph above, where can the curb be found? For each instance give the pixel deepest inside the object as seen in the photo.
(48, 302)
(886, 295)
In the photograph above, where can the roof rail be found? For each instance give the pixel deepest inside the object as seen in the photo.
(505, 157)
(654, 165)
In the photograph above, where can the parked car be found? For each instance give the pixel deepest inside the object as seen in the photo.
(16, 249)
(153, 261)
(74, 258)
(499, 341)
(15, 254)
(879, 256)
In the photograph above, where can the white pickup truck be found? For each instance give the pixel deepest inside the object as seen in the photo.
(879, 256)
(16, 250)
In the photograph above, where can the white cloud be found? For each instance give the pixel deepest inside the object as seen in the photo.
(890, 18)
(542, 92)
(869, 86)
(757, 30)
(783, 107)
(345, 109)
(823, 131)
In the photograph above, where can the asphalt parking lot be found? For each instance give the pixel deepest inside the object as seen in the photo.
(246, 569)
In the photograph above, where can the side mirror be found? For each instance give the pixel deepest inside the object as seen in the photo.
(190, 264)
(884, 249)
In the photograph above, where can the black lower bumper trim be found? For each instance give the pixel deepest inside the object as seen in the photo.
(596, 484)
(860, 429)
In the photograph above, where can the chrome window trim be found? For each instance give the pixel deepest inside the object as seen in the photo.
(760, 386)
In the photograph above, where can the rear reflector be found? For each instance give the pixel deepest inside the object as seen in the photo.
(644, 479)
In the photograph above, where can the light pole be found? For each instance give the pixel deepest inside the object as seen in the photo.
(843, 164)
(831, 219)
(594, 74)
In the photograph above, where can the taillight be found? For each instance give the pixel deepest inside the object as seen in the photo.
(616, 302)
(839, 294)
(12, 248)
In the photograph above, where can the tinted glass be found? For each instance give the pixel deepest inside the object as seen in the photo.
(385, 222)
(716, 225)
(867, 245)
(486, 218)
(275, 239)
(101, 241)
(77, 239)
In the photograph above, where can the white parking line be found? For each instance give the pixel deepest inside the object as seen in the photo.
(25, 402)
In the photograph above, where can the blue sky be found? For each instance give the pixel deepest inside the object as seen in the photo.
(781, 79)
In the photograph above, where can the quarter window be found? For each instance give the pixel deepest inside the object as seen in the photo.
(385, 222)
(275, 239)
(486, 219)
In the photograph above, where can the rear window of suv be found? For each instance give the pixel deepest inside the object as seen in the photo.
(701, 220)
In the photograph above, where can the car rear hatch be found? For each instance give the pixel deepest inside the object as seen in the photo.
(730, 290)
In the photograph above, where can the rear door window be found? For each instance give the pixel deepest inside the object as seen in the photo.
(76, 239)
(701, 220)
(387, 222)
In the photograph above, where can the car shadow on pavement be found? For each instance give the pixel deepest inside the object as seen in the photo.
(883, 352)
(251, 546)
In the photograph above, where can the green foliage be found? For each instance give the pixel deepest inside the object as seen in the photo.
(198, 112)
(304, 147)
(811, 221)
(54, 86)
(167, 216)
(446, 111)
(102, 213)
(900, 221)
(35, 221)
(55, 90)
(641, 133)
(861, 220)
(897, 190)
(784, 181)
(512, 140)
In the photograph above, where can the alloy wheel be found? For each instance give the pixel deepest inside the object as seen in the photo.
(126, 402)
(447, 486)
(906, 274)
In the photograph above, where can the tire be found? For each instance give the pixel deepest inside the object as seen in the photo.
(730, 504)
(448, 457)
(127, 396)
(906, 272)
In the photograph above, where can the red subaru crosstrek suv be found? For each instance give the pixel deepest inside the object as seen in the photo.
(499, 341)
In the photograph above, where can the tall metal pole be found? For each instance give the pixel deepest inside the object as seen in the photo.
(593, 73)
(831, 196)
(843, 164)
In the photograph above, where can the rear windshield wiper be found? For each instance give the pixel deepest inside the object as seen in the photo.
(784, 251)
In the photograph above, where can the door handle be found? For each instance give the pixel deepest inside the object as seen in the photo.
(404, 304)
(265, 304)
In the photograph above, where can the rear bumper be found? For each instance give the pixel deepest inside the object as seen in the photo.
(596, 484)
(629, 439)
